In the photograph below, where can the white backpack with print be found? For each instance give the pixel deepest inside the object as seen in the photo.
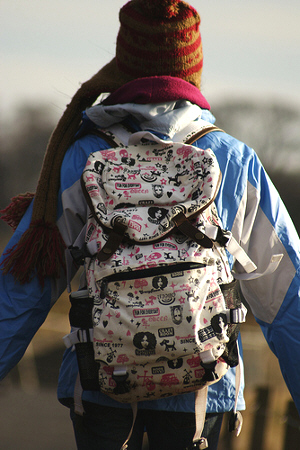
(165, 309)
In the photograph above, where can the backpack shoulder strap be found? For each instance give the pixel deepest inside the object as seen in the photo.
(194, 131)
(202, 133)
(116, 136)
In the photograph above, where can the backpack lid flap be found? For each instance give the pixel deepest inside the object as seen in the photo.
(144, 186)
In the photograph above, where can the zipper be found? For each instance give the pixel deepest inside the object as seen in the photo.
(145, 273)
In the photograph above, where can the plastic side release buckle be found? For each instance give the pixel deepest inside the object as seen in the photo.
(71, 339)
(236, 315)
(120, 376)
(77, 336)
(207, 356)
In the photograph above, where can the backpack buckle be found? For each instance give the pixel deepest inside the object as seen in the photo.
(120, 376)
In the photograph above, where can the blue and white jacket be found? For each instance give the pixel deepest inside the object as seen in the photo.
(248, 205)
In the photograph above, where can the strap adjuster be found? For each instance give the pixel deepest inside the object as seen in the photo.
(201, 444)
(236, 315)
(183, 224)
(114, 240)
(223, 237)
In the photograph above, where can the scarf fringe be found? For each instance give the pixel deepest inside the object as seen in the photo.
(14, 212)
(40, 252)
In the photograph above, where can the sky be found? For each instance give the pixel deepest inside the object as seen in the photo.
(48, 47)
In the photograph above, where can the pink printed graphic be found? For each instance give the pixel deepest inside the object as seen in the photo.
(103, 341)
(140, 283)
(184, 151)
(92, 190)
(90, 177)
(134, 225)
(122, 359)
(147, 381)
(154, 256)
(194, 361)
(124, 153)
(108, 369)
(112, 383)
(150, 301)
(199, 373)
(109, 154)
(169, 380)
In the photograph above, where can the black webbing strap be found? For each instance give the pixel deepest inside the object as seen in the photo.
(115, 238)
(187, 228)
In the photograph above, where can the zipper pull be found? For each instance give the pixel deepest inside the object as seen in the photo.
(103, 288)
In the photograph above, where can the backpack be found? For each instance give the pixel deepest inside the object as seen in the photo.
(163, 307)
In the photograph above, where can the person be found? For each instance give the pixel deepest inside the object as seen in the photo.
(153, 83)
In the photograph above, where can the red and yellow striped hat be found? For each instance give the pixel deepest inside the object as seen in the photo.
(160, 38)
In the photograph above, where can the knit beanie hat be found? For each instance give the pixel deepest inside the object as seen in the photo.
(160, 38)
(156, 37)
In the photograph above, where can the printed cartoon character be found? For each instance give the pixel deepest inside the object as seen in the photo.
(112, 298)
(175, 363)
(97, 316)
(158, 190)
(99, 166)
(144, 341)
(159, 282)
(168, 346)
(101, 208)
(158, 216)
(169, 155)
(176, 314)
(181, 171)
(220, 326)
(128, 161)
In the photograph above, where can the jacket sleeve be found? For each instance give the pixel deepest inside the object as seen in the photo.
(24, 308)
(264, 228)
(250, 206)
